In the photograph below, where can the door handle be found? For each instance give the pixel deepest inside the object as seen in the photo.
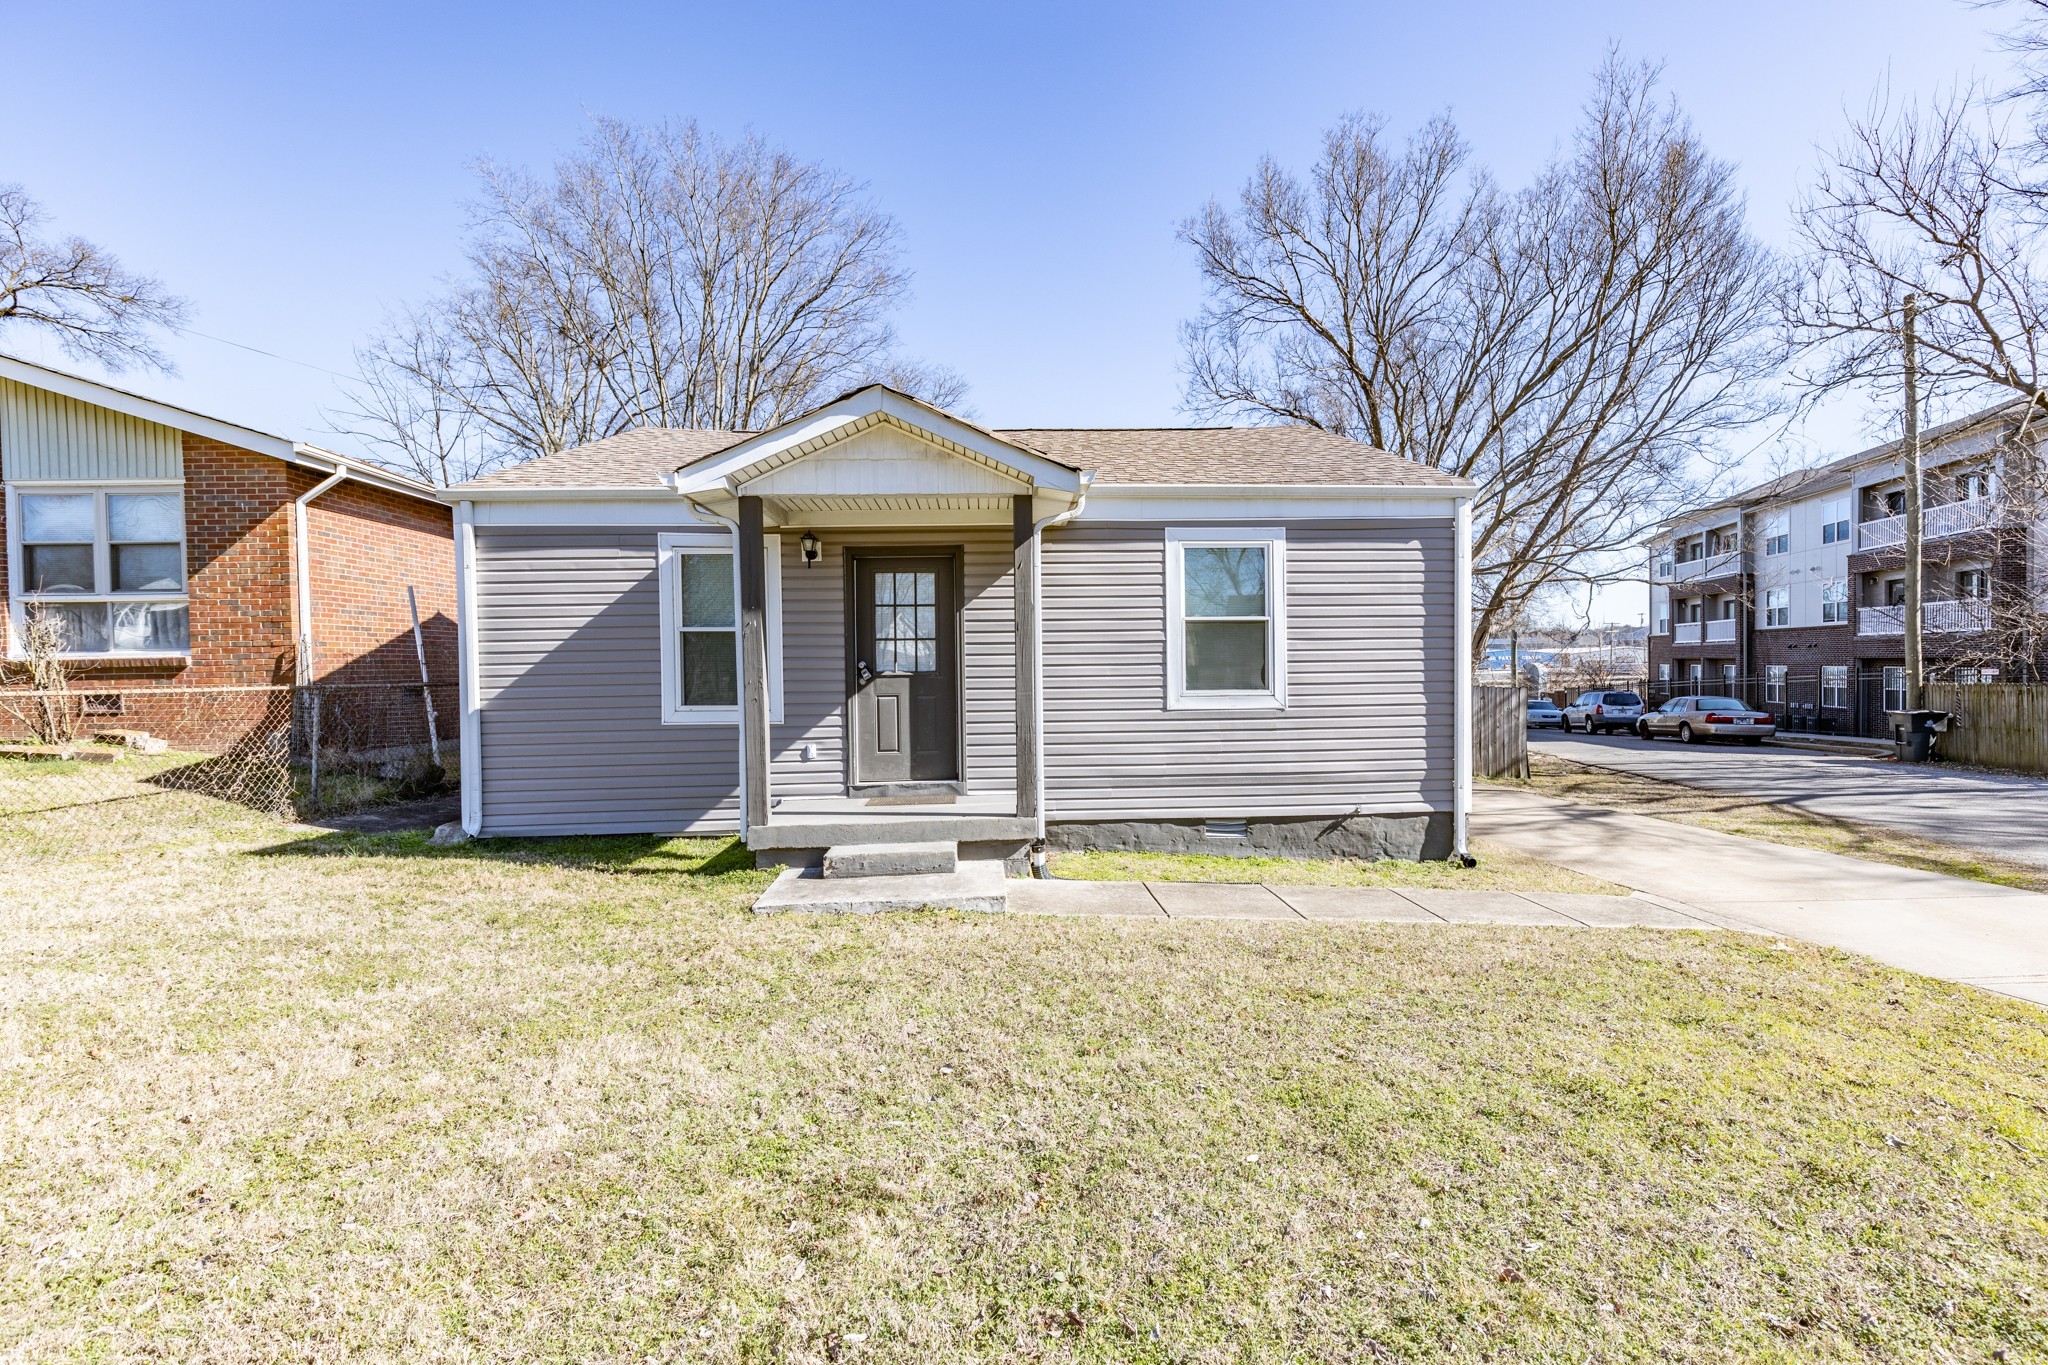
(866, 677)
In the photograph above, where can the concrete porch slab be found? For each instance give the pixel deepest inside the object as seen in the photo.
(1353, 903)
(1220, 900)
(976, 885)
(1033, 897)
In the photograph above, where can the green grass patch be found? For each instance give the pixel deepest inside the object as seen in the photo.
(1499, 869)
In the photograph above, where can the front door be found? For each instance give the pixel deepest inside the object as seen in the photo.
(906, 687)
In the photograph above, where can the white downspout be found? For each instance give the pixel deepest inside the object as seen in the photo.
(303, 554)
(1461, 790)
(1038, 635)
(468, 674)
(701, 510)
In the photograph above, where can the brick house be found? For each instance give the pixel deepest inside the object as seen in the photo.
(1789, 594)
(181, 551)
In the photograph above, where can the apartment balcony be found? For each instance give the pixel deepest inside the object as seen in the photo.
(1715, 633)
(1948, 519)
(1936, 618)
(1722, 565)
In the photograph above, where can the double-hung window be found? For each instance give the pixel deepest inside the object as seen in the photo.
(701, 681)
(1778, 534)
(1778, 607)
(1834, 686)
(1774, 682)
(1834, 521)
(105, 565)
(1894, 688)
(1226, 610)
(1834, 602)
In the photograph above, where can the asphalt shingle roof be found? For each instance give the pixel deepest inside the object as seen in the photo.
(1140, 455)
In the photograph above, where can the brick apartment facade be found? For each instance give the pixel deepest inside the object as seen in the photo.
(1786, 594)
(68, 446)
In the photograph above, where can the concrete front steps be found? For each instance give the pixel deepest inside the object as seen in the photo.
(871, 878)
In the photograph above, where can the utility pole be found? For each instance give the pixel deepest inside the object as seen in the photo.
(1913, 574)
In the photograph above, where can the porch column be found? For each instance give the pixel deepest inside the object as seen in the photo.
(1024, 594)
(753, 663)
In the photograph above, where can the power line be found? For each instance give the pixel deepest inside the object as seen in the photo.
(258, 350)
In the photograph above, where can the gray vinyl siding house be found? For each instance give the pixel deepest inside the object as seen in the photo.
(879, 622)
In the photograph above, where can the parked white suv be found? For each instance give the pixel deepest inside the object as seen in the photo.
(1598, 712)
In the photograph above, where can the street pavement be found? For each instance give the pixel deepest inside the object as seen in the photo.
(1989, 936)
(2002, 815)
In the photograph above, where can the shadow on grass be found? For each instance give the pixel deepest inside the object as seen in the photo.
(636, 855)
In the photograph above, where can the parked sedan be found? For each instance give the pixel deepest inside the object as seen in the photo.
(1696, 719)
(1598, 712)
(1543, 713)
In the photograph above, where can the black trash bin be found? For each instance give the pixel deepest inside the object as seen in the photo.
(1914, 732)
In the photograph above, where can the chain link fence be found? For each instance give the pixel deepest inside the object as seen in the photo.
(81, 754)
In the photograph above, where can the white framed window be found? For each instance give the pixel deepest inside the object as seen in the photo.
(1894, 688)
(1778, 534)
(1226, 618)
(106, 562)
(1778, 607)
(700, 628)
(1728, 677)
(1834, 686)
(1834, 601)
(1834, 521)
(1973, 485)
(1973, 584)
(1693, 672)
(1664, 673)
(1774, 682)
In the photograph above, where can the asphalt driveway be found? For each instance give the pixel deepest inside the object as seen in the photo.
(2003, 815)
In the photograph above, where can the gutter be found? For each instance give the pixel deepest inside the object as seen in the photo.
(303, 554)
(1461, 742)
(1038, 528)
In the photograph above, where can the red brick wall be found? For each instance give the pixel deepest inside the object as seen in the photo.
(367, 546)
(238, 556)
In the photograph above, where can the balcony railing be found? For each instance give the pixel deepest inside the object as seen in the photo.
(1721, 631)
(1936, 618)
(1948, 519)
(1685, 633)
(1713, 566)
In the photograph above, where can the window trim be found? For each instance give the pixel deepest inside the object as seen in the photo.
(1777, 601)
(1834, 683)
(1273, 540)
(1774, 681)
(670, 545)
(19, 600)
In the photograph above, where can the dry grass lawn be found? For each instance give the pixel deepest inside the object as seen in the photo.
(1499, 869)
(1733, 813)
(280, 1097)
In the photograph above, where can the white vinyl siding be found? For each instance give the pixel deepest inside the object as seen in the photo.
(49, 438)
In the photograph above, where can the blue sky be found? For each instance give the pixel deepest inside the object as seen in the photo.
(298, 170)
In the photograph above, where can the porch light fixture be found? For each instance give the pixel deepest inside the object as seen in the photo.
(809, 545)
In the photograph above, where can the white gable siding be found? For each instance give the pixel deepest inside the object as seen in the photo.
(46, 435)
(883, 460)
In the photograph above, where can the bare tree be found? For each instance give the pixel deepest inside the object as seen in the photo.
(45, 709)
(1576, 347)
(659, 276)
(96, 308)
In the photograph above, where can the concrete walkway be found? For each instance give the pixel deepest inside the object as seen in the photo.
(1989, 936)
(1254, 900)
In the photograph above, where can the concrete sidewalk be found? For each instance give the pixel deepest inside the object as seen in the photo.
(1989, 936)
(1254, 900)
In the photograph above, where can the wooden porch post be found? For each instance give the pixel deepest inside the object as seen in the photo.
(1024, 594)
(753, 663)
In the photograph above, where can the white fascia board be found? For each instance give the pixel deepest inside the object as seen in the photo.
(713, 473)
(147, 409)
(459, 493)
(361, 471)
(668, 511)
(1269, 502)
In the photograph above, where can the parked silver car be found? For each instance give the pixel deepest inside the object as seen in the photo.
(1694, 719)
(1543, 712)
(1598, 712)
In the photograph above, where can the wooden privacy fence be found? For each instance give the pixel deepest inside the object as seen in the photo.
(1500, 731)
(2001, 725)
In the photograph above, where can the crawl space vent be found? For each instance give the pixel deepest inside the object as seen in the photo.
(1225, 829)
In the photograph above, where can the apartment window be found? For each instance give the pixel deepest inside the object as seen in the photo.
(1690, 550)
(1834, 685)
(1664, 566)
(700, 625)
(1973, 485)
(1664, 673)
(1894, 502)
(1778, 607)
(1728, 677)
(1226, 637)
(1973, 584)
(1774, 682)
(1660, 610)
(1721, 542)
(106, 565)
(1894, 688)
(1834, 602)
(1691, 610)
(1729, 606)
(1895, 592)
(1777, 534)
(1694, 672)
(1834, 525)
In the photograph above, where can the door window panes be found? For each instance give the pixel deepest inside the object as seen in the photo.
(907, 622)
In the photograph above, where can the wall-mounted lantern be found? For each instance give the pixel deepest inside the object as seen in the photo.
(809, 545)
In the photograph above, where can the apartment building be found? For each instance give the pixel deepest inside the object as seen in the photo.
(1791, 594)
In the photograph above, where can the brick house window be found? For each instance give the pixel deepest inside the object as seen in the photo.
(1834, 601)
(1774, 682)
(1778, 607)
(1834, 686)
(106, 564)
(1894, 688)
